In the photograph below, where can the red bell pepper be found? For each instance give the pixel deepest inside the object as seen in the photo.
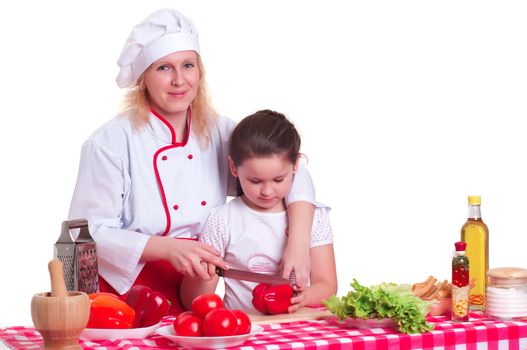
(149, 305)
(272, 300)
(92, 296)
(108, 311)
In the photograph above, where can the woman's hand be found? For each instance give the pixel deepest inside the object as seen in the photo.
(296, 259)
(296, 254)
(189, 257)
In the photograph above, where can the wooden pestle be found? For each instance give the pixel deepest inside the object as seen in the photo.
(56, 274)
(60, 316)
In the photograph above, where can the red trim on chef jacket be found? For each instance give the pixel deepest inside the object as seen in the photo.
(160, 275)
(172, 131)
(159, 151)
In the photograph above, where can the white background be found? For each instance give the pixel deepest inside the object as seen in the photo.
(405, 108)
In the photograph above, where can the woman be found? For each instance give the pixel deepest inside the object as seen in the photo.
(149, 178)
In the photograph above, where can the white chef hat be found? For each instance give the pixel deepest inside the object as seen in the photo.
(163, 32)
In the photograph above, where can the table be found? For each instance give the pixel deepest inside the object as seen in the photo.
(479, 333)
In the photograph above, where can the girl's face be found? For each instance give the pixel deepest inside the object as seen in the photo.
(265, 181)
(172, 83)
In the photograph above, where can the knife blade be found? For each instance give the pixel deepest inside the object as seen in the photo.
(251, 276)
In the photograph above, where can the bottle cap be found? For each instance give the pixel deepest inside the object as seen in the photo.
(460, 246)
(474, 200)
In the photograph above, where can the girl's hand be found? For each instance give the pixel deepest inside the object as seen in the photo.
(210, 268)
(298, 301)
(296, 259)
(187, 256)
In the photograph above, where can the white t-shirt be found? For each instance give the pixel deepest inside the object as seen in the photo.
(254, 241)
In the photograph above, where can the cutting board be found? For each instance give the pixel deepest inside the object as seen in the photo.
(303, 314)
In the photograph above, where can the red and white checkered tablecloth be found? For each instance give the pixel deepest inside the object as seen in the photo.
(479, 333)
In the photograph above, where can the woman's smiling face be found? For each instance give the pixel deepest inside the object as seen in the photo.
(172, 83)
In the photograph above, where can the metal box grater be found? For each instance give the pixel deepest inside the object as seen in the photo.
(79, 257)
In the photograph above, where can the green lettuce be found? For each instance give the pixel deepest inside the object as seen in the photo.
(385, 300)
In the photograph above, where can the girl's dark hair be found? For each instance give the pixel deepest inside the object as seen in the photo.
(264, 133)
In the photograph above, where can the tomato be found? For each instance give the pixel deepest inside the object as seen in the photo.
(204, 303)
(185, 313)
(188, 324)
(220, 323)
(243, 321)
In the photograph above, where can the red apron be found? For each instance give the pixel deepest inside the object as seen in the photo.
(160, 276)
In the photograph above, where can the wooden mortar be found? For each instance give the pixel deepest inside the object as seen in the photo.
(60, 316)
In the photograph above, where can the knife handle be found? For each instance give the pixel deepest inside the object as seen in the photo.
(219, 271)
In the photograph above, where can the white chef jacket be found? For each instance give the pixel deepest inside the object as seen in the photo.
(254, 241)
(134, 183)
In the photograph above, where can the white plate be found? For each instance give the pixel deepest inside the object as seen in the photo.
(494, 303)
(207, 342)
(521, 298)
(506, 306)
(506, 291)
(363, 323)
(506, 314)
(503, 310)
(111, 334)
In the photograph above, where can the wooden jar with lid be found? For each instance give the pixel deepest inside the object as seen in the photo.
(506, 293)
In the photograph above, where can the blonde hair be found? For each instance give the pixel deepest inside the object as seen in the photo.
(203, 114)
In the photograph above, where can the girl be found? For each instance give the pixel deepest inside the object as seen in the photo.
(149, 178)
(250, 232)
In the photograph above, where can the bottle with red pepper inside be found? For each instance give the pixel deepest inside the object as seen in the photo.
(460, 283)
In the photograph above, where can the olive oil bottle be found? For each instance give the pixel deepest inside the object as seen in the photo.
(476, 235)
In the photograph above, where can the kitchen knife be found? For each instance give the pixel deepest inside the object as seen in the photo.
(251, 276)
